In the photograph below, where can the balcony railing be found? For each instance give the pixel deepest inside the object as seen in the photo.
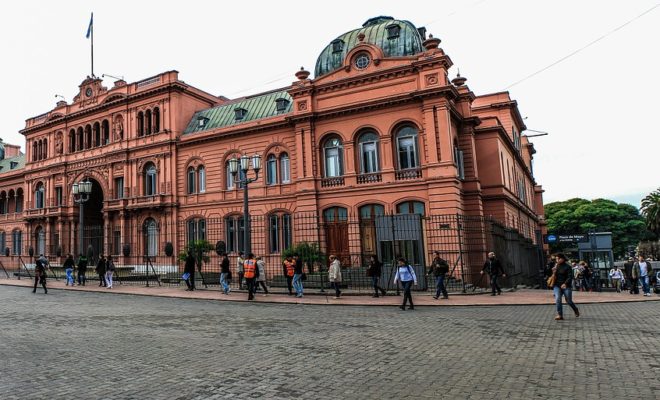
(404, 174)
(369, 178)
(332, 182)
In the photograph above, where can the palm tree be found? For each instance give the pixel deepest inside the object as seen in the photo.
(651, 211)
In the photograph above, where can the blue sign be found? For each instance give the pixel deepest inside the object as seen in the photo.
(551, 238)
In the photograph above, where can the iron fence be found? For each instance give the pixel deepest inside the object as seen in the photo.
(152, 253)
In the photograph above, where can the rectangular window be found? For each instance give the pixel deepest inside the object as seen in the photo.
(192, 231)
(274, 233)
(369, 158)
(116, 242)
(284, 169)
(202, 179)
(191, 180)
(201, 229)
(332, 162)
(407, 153)
(3, 242)
(286, 231)
(271, 171)
(230, 178)
(231, 235)
(58, 196)
(119, 187)
(17, 242)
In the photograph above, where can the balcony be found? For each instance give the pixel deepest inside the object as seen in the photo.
(406, 174)
(155, 201)
(369, 178)
(332, 182)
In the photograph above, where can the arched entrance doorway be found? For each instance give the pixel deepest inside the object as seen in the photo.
(93, 220)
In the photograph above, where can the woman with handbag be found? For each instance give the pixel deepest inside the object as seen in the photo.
(561, 287)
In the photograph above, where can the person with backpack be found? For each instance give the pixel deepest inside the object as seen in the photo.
(40, 267)
(225, 274)
(109, 271)
(69, 265)
(100, 270)
(439, 269)
(374, 271)
(82, 269)
(288, 268)
(406, 274)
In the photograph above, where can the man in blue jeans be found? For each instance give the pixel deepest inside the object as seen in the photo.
(562, 287)
(439, 269)
(645, 271)
(297, 276)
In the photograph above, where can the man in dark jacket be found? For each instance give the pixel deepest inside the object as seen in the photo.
(100, 270)
(439, 269)
(82, 269)
(189, 269)
(40, 267)
(627, 270)
(494, 269)
(563, 284)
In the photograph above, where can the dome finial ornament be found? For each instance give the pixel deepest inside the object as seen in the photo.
(459, 80)
(302, 74)
(431, 43)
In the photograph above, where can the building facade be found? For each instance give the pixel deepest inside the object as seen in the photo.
(380, 130)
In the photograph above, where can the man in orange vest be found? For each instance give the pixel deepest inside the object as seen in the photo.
(250, 273)
(289, 268)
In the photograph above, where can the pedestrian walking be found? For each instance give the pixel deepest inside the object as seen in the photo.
(261, 276)
(645, 270)
(547, 272)
(240, 269)
(100, 270)
(374, 271)
(439, 270)
(562, 286)
(250, 272)
(189, 271)
(225, 274)
(406, 275)
(585, 277)
(298, 273)
(634, 278)
(494, 269)
(109, 271)
(69, 265)
(40, 267)
(82, 269)
(616, 275)
(334, 275)
(627, 274)
(289, 268)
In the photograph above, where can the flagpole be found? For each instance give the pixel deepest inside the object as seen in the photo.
(92, 42)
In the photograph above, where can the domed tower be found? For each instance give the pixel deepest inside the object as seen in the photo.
(396, 38)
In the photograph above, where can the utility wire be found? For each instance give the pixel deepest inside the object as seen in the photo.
(584, 47)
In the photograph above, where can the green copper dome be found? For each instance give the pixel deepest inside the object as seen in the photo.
(396, 38)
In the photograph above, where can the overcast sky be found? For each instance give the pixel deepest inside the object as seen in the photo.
(598, 105)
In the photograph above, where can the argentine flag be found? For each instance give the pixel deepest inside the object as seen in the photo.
(89, 28)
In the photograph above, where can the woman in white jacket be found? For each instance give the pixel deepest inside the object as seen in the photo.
(334, 275)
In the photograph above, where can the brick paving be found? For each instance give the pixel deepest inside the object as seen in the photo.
(74, 344)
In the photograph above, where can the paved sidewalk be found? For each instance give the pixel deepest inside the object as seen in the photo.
(519, 297)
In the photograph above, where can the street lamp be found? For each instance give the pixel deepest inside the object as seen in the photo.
(81, 192)
(245, 166)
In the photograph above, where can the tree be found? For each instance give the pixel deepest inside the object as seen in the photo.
(600, 215)
(651, 211)
(199, 249)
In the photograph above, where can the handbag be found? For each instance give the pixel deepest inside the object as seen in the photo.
(185, 276)
(551, 280)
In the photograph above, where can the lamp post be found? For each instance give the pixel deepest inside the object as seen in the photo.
(244, 162)
(81, 192)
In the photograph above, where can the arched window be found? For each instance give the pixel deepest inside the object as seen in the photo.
(11, 201)
(150, 237)
(156, 120)
(88, 136)
(150, 179)
(97, 134)
(368, 151)
(40, 240)
(411, 207)
(72, 140)
(333, 156)
(140, 123)
(279, 232)
(105, 131)
(335, 214)
(39, 196)
(19, 200)
(271, 170)
(285, 168)
(201, 173)
(35, 150)
(191, 180)
(81, 139)
(196, 230)
(3, 202)
(406, 144)
(147, 120)
(370, 211)
(16, 242)
(45, 150)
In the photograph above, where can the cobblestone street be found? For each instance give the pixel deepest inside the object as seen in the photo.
(84, 345)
